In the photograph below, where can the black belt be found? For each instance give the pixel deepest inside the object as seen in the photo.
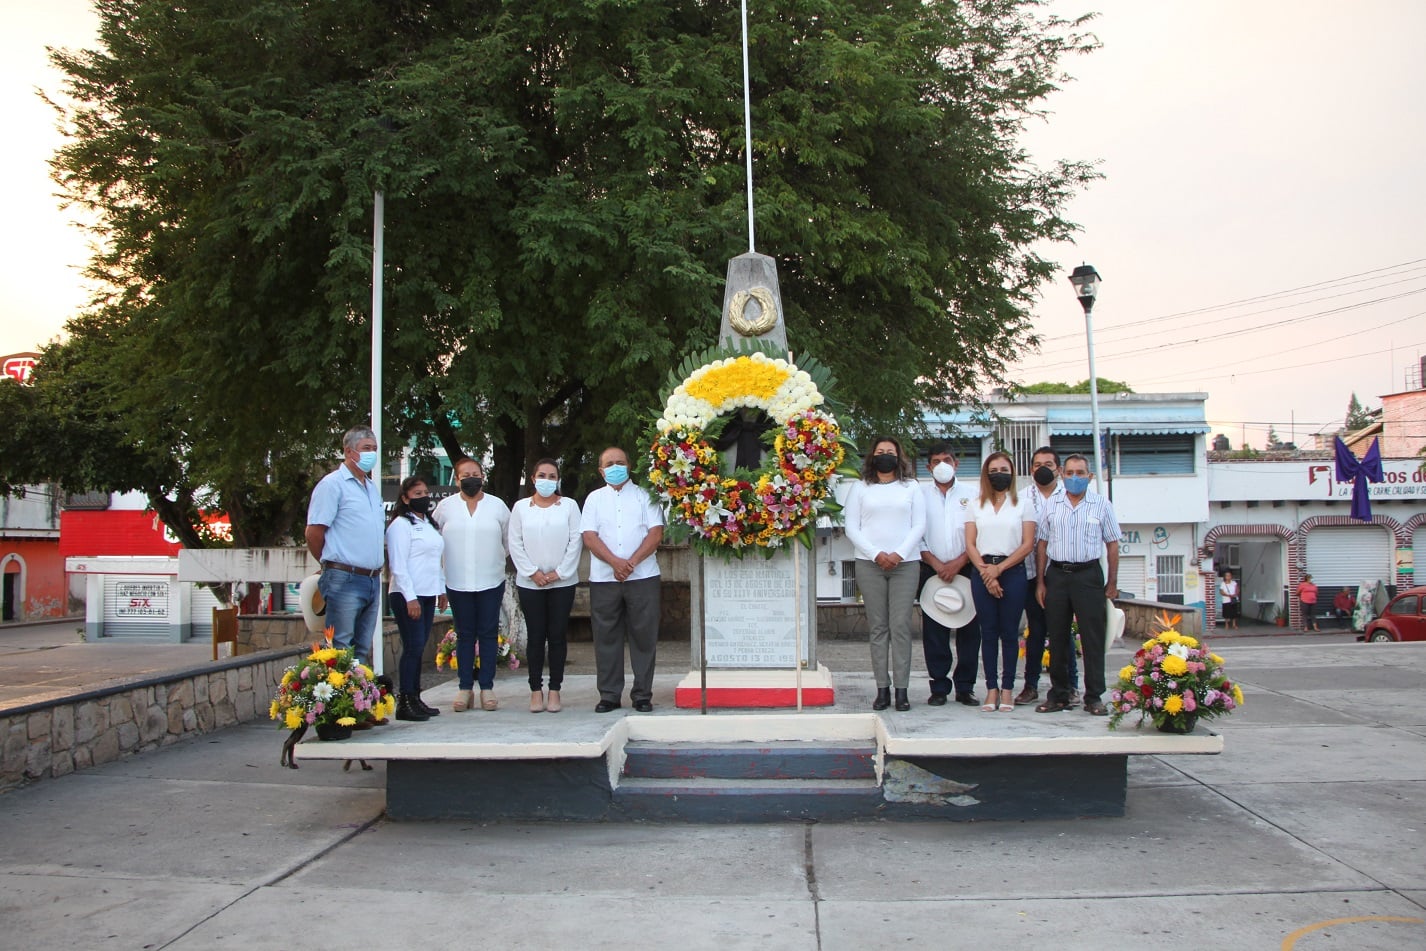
(1072, 565)
(351, 569)
(993, 559)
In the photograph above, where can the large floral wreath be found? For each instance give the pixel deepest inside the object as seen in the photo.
(730, 514)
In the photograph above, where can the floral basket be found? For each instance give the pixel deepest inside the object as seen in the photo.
(329, 688)
(1174, 681)
(446, 652)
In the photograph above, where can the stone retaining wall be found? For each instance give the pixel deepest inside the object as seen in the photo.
(57, 738)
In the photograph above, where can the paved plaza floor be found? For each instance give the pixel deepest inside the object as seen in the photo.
(1307, 833)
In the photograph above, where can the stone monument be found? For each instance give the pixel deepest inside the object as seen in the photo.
(755, 618)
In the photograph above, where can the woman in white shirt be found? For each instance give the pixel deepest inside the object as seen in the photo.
(413, 555)
(998, 541)
(473, 525)
(1232, 604)
(545, 542)
(885, 520)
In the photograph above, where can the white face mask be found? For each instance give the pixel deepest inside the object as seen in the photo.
(944, 472)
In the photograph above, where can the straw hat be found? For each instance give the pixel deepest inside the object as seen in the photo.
(948, 603)
(1113, 625)
(314, 606)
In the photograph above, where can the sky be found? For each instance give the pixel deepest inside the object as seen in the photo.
(1259, 226)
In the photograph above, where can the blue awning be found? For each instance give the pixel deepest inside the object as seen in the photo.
(1138, 419)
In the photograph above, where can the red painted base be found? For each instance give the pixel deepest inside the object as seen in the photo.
(691, 698)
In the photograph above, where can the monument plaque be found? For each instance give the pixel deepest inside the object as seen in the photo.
(755, 610)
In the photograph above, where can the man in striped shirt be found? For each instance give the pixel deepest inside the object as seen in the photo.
(1074, 530)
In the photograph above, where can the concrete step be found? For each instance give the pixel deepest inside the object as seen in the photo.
(747, 800)
(808, 760)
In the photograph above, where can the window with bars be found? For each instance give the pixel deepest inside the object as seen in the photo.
(1020, 438)
(849, 581)
(967, 450)
(1169, 569)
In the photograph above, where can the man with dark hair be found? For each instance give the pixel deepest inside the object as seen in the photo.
(1074, 531)
(943, 554)
(346, 533)
(1045, 471)
(622, 528)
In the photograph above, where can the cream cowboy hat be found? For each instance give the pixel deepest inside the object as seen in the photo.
(314, 606)
(1113, 625)
(948, 603)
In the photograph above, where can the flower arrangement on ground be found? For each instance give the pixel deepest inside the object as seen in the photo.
(1174, 680)
(1045, 654)
(731, 513)
(329, 687)
(446, 652)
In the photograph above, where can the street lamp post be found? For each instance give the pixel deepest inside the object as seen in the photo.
(378, 251)
(1086, 286)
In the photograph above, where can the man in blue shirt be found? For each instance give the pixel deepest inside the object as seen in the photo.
(1075, 530)
(346, 525)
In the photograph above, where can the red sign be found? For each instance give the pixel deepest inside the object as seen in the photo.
(17, 366)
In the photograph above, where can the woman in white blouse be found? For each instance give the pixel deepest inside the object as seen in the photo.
(545, 543)
(473, 525)
(885, 520)
(998, 541)
(413, 555)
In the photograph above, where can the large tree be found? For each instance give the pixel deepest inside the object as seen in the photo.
(564, 184)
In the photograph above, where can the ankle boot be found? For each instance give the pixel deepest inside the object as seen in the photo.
(902, 702)
(423, 706)
(406, 709)
(883, 698)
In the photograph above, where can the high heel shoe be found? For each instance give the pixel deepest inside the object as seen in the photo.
(903, 703)
(487, 700)
(883, 698)
(1007, 702)
(992, 698)
(465, 699)
(537, 701)
(552, 701)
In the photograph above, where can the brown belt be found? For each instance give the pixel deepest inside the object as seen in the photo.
(351, 569)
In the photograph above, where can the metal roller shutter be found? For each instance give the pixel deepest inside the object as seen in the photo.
(136, 606)
(1349, 555)
(1132, 570)
(201, 612)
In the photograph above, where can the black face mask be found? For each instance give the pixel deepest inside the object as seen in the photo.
(885, 462)
(1000, 481)
(421, 504)
(1044, 475)
(471, 485)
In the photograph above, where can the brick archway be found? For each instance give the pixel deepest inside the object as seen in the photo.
(1210, 544)
(1299, 554)
(1407, 537)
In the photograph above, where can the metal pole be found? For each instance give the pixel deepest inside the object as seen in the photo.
(702, 639)
(1093, 391)
(748, 126)
(378, 251)
(798, 602)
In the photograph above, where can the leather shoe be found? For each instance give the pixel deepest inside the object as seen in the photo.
(883, 698)
(604, 706)
(644, 706)
(967, 698)
(1096, 708)
(1026, 695)
(903, 703)
(936, 700)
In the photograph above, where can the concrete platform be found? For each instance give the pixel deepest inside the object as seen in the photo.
(950, 762)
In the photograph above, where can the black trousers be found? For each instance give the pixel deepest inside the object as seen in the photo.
(546, 613)
(1076, 595)
(936, 646)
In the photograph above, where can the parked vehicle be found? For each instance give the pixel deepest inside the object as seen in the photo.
(1404, 619)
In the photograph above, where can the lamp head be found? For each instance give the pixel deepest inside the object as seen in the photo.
(1086, 285)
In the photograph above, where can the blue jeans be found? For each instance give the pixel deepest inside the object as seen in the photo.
(1035, 642)
(477, 621)
(414, 634)
(352, 605)
(999, 626)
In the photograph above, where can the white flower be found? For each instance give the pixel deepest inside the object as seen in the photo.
(1178, 650)
(323, 691)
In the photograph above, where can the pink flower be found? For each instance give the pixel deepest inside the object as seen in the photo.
(1189, 703)
(311, 718)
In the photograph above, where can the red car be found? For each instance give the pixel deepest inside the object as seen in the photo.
(1403, 620)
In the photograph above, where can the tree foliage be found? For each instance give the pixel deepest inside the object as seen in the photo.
(1082, 387)
(1357, 416)
(564, 185)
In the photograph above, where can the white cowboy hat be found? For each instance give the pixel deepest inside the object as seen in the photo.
(314, 606)
(1113, 625)
(948, 603)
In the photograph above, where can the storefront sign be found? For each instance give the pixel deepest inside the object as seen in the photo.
(141, 599)
(18, 366)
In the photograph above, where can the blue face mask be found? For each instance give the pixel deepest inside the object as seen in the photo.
(616, 475)
(546, 487)
(366, 461)
(1076, 485)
